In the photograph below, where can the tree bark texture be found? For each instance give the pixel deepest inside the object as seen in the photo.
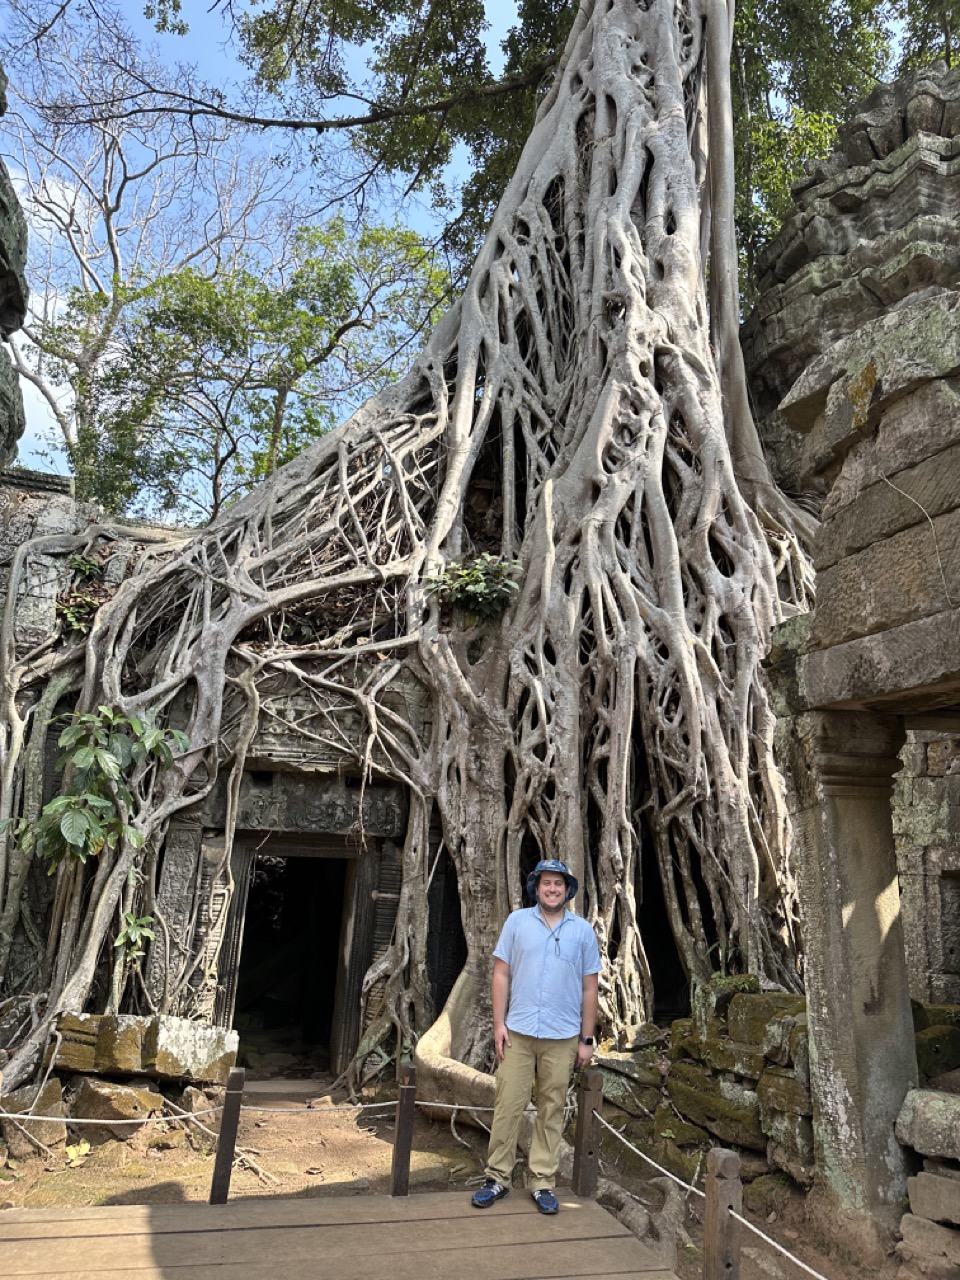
(568, 413)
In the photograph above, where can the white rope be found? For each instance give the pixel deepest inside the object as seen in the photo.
(18, 1116)
(775, 1244)
(659, 1167)
(317, 1111)
(450, 1106)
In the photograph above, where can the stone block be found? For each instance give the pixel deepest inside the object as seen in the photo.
(177, 1049)
(942, 1015)
(749, 1017)
(48, 1102)
(930, 1123)
(911, 575)
(712, 999)
(943, 757)
(938, 1050)
(884, 360)
(795, 1166)
(680, 1030)
(109, 1101)
(728, 1055)
(80, 1034)
(120, 1044)
(791, 1132)
(670, 1127)
(729, 1112)
(879, 511)
(934, 1197)
(646, 1036)
(770, 1193)
(931, 1239)
(921, 656)
(630, 1096)
(799, 1049)
(640, 1067)
(780, 1090)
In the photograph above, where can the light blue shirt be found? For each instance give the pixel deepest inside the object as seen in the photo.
(547, 968)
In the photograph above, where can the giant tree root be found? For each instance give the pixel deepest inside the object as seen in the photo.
(566, 414)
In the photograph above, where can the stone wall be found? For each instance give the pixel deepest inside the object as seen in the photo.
(929, 1248)
(854, 357)
(13, 302)
(926, 824)
(736, 1074)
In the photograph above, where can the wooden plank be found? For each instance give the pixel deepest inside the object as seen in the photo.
(175, 1249)
(568, 1258)
(241, 1213)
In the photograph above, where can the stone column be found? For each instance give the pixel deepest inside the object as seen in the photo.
(175, 898)
(862, 1053)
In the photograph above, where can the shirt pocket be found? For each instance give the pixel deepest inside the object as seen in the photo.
(567, 949)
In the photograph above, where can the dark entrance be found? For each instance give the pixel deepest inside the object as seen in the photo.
(287, 979)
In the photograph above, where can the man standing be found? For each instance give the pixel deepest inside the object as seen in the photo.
(545, 977)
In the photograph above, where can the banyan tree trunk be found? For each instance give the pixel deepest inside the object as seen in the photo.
(567, 414)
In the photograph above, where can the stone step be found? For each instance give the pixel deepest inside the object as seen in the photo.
(935, 1198)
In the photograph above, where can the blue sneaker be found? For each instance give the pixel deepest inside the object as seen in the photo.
(489, 1194)
(546, 1201)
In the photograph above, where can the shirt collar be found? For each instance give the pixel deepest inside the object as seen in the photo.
(540, 916)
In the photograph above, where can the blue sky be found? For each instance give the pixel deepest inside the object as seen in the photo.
(207, 47)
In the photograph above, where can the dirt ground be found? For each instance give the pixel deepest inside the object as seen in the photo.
(301, 1147)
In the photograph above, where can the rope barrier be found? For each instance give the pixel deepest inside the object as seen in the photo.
(775, 1244)
(659, 1167)
(19, 1116)
(451, 1106)
(289, 1111)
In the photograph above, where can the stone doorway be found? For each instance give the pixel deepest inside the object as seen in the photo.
(298, 940)
(286, 983)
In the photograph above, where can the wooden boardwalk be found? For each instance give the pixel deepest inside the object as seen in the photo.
(427, 1236)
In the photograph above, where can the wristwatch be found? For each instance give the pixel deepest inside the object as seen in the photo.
(587, 1040)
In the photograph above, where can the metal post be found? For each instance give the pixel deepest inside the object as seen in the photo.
(721, 1231)
(227, 1140)
(403, 1131)
(586, 1147)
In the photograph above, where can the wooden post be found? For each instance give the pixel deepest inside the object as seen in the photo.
(403, 1132)
(227, 1141)
(586, 1147)
(721, 1232)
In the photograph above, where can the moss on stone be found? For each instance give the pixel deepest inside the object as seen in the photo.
(733, 1115)
(669, 1126)
(780, 1090)
(749, 1016)
(938, 1050)
(729, 1055)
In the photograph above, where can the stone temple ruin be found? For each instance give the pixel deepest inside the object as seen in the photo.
(853, 353)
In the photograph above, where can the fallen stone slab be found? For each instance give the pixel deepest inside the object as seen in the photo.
(48, 1102)
(930, 1238)
(935, 1198)
(930, 1123)
(177, 1049)
(79, 1037)
(108, 1101)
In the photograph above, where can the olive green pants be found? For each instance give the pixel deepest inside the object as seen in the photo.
(526, 1060)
